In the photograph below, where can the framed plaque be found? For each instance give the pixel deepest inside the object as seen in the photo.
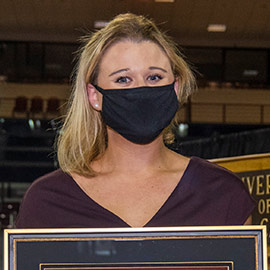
(174, 248)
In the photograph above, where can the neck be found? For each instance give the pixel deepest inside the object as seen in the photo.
(127, 157)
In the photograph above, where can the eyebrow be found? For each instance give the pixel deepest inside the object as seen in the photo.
(118, 71)
(159, 68)
(127, 69)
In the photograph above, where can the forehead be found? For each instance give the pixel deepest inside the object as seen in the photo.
(133, 52)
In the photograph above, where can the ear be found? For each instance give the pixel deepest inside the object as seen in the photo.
(94, 97)
(176, 85)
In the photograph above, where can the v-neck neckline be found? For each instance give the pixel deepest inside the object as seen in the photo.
(115, 216)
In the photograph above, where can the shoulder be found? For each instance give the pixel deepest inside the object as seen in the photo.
(53, 180)
(207, 172)
(42, 196)
(201, 173)
(213, 180)
(220, 190)
(48, 188)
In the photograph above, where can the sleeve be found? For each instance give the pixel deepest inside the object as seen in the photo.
(241, 204)
(226, 191)
(31, 212)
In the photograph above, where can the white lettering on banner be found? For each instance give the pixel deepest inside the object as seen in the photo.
(249, 181)
(264, 206)
(260, 189)
(264, 221)
(258, 185)
(268, 184)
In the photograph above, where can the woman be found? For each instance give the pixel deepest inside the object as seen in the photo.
(115, 169)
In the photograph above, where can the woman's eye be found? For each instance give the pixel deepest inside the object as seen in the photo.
(155, 77)
(122, 80)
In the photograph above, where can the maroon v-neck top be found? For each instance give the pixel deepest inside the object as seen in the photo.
(206, 195)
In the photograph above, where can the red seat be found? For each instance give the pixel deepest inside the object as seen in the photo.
(36, 107)
(53, 106)
(20, 106)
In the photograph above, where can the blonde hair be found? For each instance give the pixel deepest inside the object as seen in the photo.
(83, 137)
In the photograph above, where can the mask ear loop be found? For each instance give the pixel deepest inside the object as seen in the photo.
(100, 90)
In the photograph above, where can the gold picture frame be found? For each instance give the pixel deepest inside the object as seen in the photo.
(232, 247)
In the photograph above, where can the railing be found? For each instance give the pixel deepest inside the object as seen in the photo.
(230, 113)
(193, 112)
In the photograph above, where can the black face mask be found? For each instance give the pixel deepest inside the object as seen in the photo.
(139, 114)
